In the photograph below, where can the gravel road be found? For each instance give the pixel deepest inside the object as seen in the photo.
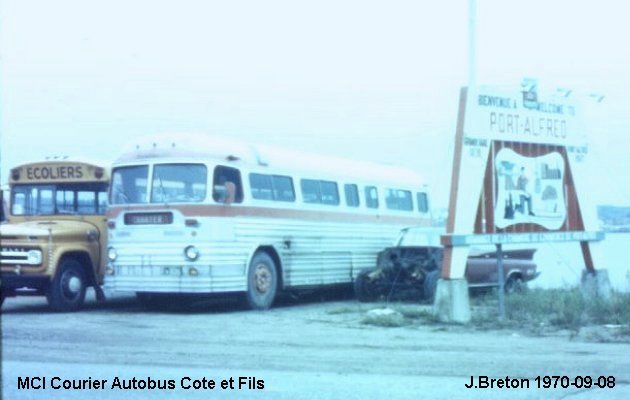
(312, 348)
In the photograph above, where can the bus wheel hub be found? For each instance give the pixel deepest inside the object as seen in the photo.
(262, 278)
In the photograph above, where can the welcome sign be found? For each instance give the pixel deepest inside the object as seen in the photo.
(519, 164)
(497, 114)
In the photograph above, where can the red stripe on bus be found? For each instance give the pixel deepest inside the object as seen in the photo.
(210, 210)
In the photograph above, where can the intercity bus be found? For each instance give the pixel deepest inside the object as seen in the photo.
(54, 242)
(193, 215)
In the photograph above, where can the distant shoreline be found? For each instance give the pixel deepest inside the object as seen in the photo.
(612, 229)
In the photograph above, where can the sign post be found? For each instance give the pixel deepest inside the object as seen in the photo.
(519, 169)
(501, 278)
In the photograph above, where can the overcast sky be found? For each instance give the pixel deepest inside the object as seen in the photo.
(369, 80)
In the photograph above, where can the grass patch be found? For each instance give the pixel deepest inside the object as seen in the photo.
(385, 317)
(538, 312)
(344, 310)
(614, 312)
(414, 311)
(557, 308)
(561, 308)
(396, 315)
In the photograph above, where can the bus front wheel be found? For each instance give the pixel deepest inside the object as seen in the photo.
(262, 282)
(67, 289)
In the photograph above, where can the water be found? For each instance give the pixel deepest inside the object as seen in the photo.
(561, 264)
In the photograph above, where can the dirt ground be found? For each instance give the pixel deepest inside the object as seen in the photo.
(315, 347)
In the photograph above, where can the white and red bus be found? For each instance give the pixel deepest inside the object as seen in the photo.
(205, 215)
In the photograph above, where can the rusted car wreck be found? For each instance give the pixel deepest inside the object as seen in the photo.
(412, 267)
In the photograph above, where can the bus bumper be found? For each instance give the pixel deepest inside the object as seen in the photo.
(178, 279)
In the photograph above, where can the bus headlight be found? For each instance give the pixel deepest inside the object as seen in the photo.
(191, 253)
(112, 254)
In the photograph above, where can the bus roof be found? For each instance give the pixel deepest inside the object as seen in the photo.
(240, 153)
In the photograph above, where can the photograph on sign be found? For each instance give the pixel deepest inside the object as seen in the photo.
(529, 189)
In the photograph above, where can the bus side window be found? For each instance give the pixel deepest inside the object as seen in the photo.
(423, 202)
(398, 199)
(371, 197)
(311, 192)
(261, 186)
(330, 193)
(272, 187)
(223, 179)
(352, 195)
(283, 188)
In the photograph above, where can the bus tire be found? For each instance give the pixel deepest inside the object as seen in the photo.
(67, 289)
(262, 282)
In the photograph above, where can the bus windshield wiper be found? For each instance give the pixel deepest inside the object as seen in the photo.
(120, 192)
(162, 189)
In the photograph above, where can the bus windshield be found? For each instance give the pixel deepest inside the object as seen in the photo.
(55, 199)
(177, 183)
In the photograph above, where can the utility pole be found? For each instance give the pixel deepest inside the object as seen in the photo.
(472, 43)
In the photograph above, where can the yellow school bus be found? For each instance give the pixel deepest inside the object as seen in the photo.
(54, 242)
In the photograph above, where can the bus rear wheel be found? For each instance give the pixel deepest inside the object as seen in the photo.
(67, 289)
(262, 282)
